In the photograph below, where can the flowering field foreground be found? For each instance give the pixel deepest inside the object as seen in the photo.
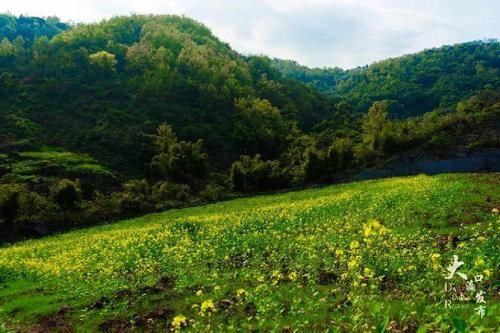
(367, 256)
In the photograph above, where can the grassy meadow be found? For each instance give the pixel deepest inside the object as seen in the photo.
(30, 165)
(364, 256)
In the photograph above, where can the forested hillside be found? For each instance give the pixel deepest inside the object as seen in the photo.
(100, 88)
(415, 83)
(141, 113)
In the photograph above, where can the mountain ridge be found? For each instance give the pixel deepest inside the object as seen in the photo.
(449, 66)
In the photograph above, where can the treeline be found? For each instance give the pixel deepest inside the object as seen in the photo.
(27, 29)
(179, 118)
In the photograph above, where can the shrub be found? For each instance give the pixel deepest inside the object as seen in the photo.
(213, 192)
(135, 198)
(315, 166)
(66, 193)
(341, 154)
(253, 174)
(9, 206)
(164, 191)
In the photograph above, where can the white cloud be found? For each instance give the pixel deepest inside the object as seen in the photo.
(342, 33)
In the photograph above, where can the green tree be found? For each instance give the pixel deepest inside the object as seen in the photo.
(179, 162)
(165, 138)
(375, 127)
(259, 128)
(103, 61)
(254, 174)
(315, 167)
(6, 48)
(340, 155)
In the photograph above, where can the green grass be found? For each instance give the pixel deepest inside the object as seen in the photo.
(51, 160)
(364, 256)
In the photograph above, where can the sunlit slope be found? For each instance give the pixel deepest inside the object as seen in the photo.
(352, 255)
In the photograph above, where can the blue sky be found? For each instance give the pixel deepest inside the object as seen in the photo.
(343, 33)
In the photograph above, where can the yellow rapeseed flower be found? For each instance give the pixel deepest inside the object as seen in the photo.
(354, 263)
(240, 293)
(354, 245)
(179, 322)
(479, 261)
(435, 261)
(435, 256)
(207, 306)
(374, 227)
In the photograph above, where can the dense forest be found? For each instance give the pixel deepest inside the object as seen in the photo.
(141, 113)
(414, 83)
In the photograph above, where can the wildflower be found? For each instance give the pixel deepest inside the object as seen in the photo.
(368, 272)
(207, 306)
(292, 276)
(479, 261)
(240, 293)
(354, 262)
(339, 252)
(354, 245)
(435, 261)
(487, 273)
(495, 210)
(277, 276)
(435, 256)
(179, 322)
(383, 230)
(199, 292)
(374, 227)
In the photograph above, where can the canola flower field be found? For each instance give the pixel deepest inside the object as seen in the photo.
(369, 256)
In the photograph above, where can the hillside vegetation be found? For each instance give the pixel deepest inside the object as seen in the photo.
(415, 83)
(102, 88)
(365, 256)
(136, 114)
